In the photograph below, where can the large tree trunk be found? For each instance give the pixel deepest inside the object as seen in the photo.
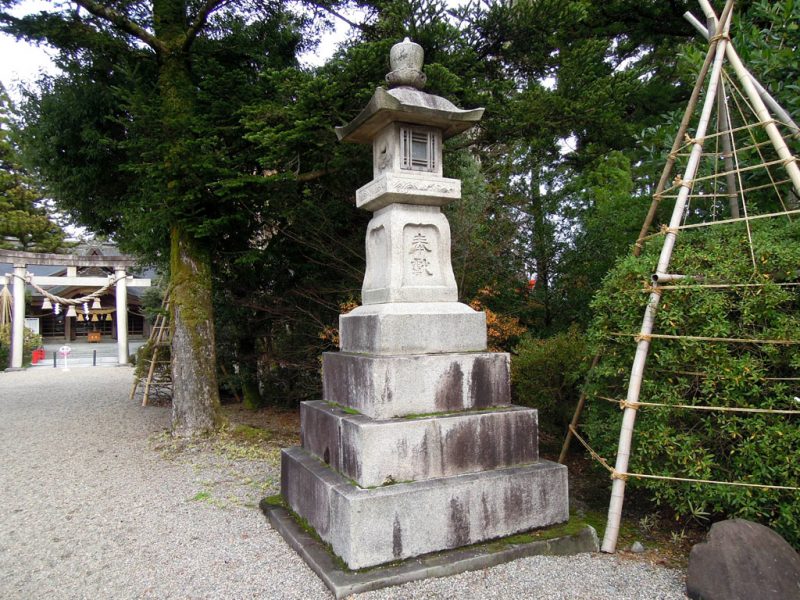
(195, 397)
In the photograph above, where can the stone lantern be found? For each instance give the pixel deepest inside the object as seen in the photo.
(415, 446)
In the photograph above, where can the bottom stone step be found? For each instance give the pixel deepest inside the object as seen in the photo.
(368, 527)
(344, 582)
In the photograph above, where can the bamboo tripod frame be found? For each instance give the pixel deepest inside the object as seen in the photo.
(720, 48)
(651, 214)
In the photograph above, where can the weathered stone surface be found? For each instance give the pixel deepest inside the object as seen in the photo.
(407, 106)
(412, 328)
(406, 61)
(368, 527)
(344, 583)
(408, 256)
(388, 159)
(407, 188)
(742, 560)
(310, 491)
(374, 453)
(411, 348)
(383, 387)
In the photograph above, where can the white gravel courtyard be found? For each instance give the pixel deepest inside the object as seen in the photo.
(94, 505)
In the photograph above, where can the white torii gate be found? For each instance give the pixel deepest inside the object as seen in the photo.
(20, 277)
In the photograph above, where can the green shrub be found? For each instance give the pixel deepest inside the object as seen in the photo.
(546, 374)
(714, 445)
(30, 342)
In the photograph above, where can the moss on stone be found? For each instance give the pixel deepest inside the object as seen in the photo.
(344, 409)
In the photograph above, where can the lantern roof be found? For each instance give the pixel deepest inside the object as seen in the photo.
(406, 102)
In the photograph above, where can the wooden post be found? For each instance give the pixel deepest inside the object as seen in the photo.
(676, 144)
(773, 105)
(723, 125)
(577, 415)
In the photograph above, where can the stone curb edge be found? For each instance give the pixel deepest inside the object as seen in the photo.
(442, 564)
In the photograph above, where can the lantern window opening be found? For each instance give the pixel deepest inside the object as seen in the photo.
(418, 149)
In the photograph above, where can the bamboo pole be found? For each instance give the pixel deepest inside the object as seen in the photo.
(769, 100)
(651, 213)
(724, 127)
(789, 161)
(755, 92)
(577, 415)
(723, 124)
(643, 344)
(676, 144)
(159, 325)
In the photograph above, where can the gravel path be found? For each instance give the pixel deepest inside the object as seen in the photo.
(96, 502)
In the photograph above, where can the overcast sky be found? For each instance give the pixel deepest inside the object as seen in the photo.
(21, 62)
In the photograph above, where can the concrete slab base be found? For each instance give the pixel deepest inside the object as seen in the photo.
(343, 582)
(368, 527)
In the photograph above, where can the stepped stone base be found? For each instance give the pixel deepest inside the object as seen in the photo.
(374, 453)
(368, 527)
(412, 328)
(383, 387)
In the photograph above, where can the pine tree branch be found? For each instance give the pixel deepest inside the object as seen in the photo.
(338, 15)
(314, 175)
(123, 23)
(200, 20)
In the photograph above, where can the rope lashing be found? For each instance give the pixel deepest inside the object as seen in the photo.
(700, 338)
(712, 286)
(624, 476)
(734, 409)
(782, 213)
(623, 404)
(665, 229)
(69, 301)
(590, 450)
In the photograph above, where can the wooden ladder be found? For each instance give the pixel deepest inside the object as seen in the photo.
(159, 373)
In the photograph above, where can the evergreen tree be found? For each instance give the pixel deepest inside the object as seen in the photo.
(140, 138)
(24, 220)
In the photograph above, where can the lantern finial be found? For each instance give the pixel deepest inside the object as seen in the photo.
(406, 60)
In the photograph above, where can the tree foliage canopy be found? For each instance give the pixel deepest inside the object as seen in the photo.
(25, 222)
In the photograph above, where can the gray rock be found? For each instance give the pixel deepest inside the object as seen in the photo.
(637, 548)
(741, 560)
